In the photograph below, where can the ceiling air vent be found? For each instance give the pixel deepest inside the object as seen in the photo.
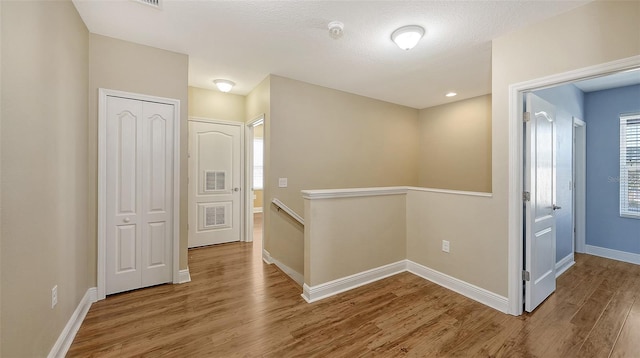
(153, 3)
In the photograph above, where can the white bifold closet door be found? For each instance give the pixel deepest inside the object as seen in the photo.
(139, 193)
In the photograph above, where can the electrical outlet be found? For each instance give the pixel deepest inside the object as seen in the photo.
(54, 296)
(282, 182)
(445, 245)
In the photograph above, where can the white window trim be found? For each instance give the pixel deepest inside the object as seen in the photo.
(624, 168)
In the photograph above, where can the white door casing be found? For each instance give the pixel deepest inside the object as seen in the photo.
(515, 212)
(539, 182)
(215, 182)
(579, 180)
(249, 138)
(138, 191)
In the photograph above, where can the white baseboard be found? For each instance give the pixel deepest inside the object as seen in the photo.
(65, 339)
(328, 289)
(184, 276)
(613, 254)
(331, 288)
(473, 292)
(295, 275)
(266, 257)
(564, 264)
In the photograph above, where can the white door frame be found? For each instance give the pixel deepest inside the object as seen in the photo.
(242, 161)
(514, 209)
(248, 134)
(579, 184)
(102, 185)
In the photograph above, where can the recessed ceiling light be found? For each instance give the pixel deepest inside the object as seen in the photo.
(407, 37)
(224, 85)
(451, 94)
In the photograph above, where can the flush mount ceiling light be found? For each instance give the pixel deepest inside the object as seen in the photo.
(451, 94)
(336, 29)
(224, 85)
(407, 37)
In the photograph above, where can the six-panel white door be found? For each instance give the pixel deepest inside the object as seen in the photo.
(214, 182)
(139, 196)
(540, 222)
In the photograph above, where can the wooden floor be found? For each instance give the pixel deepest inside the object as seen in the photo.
(237, 306)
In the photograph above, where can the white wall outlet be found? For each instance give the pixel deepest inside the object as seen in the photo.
(282, 182)
(54, 296)
(445, 245)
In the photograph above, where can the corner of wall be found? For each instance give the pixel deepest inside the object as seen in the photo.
(456, 132)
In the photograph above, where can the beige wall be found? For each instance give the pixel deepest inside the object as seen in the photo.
(476, 254)
(45, 48)
(455, 145)
(258, 201)
(345, 236)
(213, 104)
(258, 102)
(129, 67)
(258, 131)
(349, 235)
(320, 138)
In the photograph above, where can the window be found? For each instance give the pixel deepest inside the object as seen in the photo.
(630, 166)
(257, 164)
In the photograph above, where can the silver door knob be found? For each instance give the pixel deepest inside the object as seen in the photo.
(556, 207)
(236, 189)
(126, 220)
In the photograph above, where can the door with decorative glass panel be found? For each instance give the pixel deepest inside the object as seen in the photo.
(215, 154)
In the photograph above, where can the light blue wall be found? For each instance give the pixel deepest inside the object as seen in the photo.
(569, 103)
(605, 227)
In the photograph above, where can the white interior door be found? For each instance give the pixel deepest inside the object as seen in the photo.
(214, 182)
(540, 234)
(139, 192)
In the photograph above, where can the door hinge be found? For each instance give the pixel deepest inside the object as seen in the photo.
(526, 117)
(526, 196)
(526, 276)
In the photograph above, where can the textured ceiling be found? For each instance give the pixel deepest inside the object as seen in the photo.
(244, 41)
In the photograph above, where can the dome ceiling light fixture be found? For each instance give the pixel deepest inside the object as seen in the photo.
(451, 94)
(407, 37)
(336, 29)
(224, 85)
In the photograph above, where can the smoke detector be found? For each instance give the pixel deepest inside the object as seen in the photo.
(336, 29)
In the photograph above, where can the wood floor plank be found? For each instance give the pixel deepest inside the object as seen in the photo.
(238, 306)
(601, 339)
(628, 342)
